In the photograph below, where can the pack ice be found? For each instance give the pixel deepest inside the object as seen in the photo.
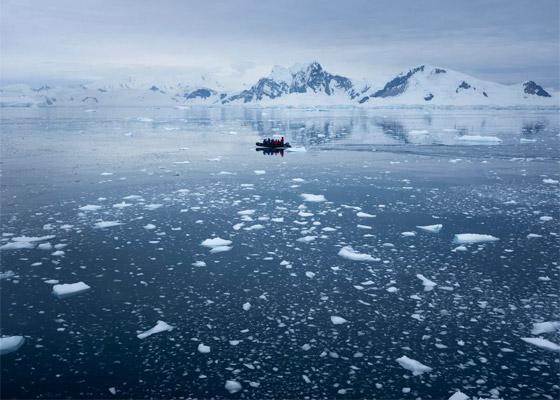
(417, 368)
(313, 198)
(69, 289)
(348, 253)
(161, 326)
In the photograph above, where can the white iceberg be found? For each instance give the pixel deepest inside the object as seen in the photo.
(10, 344)
(348, 253)
(216, 242)
(545, 327)
(338, 320)
(313, 198)
(220, 249)
(417, 368)
(69, 289)
(233, 386)
(160, 327)
(431, 228)
(463, 238)
(203, 349)
(542, 343)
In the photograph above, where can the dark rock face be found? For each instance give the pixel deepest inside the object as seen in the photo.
(397, 85)
(203, 93)
(440, 71)
(363, 100)
(534, 89)
(42, 88)
(90, 100)
(154, 89)
(429, 97)
(101, 90)
(463, 85)
(485, 94)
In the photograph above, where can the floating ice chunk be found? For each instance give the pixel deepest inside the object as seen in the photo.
(149, 226)
(113, 390)
(431, 228)
(306, 347)
(328, 229)
(477, 138)
(522, 140)
(460, 248)
(132, 197)
(550, 181)
(363, 226)
(199, 264)
(338, 320)
(160, 327)
(533, 235)
(428, 284)
(51, 281)
(246, 212)
(298, 180)
(181, 162)
(220, 249)
(545, 218)
(10, 344)
(419, 132)
(310, 274)
(313, 198)
(7, 274)
(545, 327)
(246, 306)
(259, 172)
(306, 239)
(544, 278)
(542, 343)
(203, 349)
(122, 205)
(408, 234)
(225, 173)
(349, 253)
(144, 119)
(414, 366)
(473, 238)
(216, 242)
(238, 226)
(152, 207)
(17, 246)
(106, 224)
(58, 253)
(90, 207)
(361, 214)
(233, 386)
(458, 395)
(106, 174)
(254, 227)
(392, 289)
(296, 149)
(69, 289)
(281, 219)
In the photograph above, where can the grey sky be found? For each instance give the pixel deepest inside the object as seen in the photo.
(59, 41)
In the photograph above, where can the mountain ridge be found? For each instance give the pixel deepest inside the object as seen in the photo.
(299, 85)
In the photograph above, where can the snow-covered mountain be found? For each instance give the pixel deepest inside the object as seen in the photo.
(299, 85)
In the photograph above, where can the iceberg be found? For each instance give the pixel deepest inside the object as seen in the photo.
(69, 289)
(349, 253)
(417, 368)
(10, 344)
(545, 327)
(160, 327)
(233, 386)
(542, 343)
(338, 320)
(463, 238)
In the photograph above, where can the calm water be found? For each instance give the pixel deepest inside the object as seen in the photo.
(174, 178)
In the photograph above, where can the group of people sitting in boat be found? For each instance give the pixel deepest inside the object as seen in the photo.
(274, 142)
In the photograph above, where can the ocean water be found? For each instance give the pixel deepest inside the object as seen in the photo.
(170, 179)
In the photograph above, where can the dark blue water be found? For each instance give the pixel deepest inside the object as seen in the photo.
(405, 167)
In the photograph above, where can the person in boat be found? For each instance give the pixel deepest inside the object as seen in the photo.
(282, 140)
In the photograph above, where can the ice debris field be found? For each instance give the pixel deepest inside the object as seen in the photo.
(338, 275)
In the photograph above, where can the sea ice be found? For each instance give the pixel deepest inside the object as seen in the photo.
(431, 228)
(10, 344)
(259, 172)
(408, 234)
(462, 238)
(216, 242)
(550, 181)
(458, 395)
(199, 264)
(545, 327)
(306, 239)
(314, 198)
(477, 138)
(220, 249)
(203, 349)
(246, 306)
(428, 284)
(364, 215)
(349, 253)
(69, 289)
(149, 226)
(90, 207)
(414, 366)
(338, 320)
(542, 343)
(160, 327)
(233, 386)
(106, 224)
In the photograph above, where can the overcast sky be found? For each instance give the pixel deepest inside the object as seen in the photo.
(58, 41)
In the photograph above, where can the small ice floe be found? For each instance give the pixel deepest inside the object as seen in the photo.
(58, 253)
(220, 249)
(428, 284)
(10, 344)
(181, 162)
(259, 172)
(550, 181)
(533, 236)
(298, 180)
(149, 227)
(106, 224)
(51, 281)
(113, 390)
(348, 253)
(417, 368)
(310, 274)
(203, 349)
(460, 248)
(542, 343)
(431, 228)
(152, 207)
(254, 227)
(408, 234)
(90, 207)
(418, 132)
(216, 242)
(25, 242)
(313, 198)
(478, 139)
(122, 205)
(544, 278)
(522, 140)
(392, 289)
(545, 218)
(306, 239)
(69, 289)
(233, 386)
(281, 219)
(296, 149)
(545, 327)
(6, 275)
(361, 214)
(364, 226)
(160, 327)
(199, 264)
(106, 174)
(225, 173)
(458, 395)
(336, 320)
(238, 226)
(144, 120)
(246, 212)
(246, 306)
(463, 238)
